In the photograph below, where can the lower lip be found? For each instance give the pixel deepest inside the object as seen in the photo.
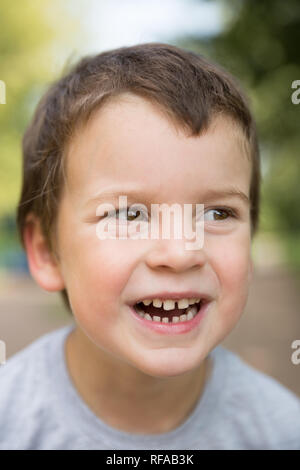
(172, 328)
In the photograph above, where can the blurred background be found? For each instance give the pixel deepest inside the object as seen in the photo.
(259, 43)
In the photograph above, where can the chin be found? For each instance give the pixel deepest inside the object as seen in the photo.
(166, 366)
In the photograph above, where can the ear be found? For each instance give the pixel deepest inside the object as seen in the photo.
(43, 266)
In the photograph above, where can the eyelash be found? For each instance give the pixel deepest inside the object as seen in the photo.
(230, 212)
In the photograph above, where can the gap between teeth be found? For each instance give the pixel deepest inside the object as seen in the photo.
(170, 304)
(191, 312)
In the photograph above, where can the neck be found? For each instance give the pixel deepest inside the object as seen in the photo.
(126, 398)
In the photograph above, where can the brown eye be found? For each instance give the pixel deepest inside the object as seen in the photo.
(132, 217)
(131, 214)
(221, 214)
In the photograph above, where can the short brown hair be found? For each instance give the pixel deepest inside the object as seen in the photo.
(188, 88)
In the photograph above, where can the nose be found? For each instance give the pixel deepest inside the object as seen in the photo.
(172, 255)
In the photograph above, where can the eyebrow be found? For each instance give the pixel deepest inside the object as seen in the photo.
(226, 193)
(134, 194)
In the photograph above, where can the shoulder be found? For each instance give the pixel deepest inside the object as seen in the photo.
(23, 363)
(25, 386)
(246, 377)
(260, 403)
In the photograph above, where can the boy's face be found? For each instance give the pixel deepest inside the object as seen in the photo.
(130, 144)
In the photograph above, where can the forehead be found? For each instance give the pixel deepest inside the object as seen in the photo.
(130, 139)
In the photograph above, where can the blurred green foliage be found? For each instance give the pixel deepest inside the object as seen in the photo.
(33, 35)
(23, 33)
(259, 45)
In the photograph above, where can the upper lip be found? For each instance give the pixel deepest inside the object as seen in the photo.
(174, 296)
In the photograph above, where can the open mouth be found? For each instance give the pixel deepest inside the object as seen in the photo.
(175, 315)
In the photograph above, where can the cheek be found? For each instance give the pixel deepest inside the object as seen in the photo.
(96, 276)
(231, 261)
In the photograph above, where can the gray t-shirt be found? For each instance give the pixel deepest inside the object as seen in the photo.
(240, 408)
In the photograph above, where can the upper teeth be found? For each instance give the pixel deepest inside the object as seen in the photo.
(170, 304)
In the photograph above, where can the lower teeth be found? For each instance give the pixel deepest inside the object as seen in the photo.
(190, 313)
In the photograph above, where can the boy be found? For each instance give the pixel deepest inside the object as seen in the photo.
(159, 125)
